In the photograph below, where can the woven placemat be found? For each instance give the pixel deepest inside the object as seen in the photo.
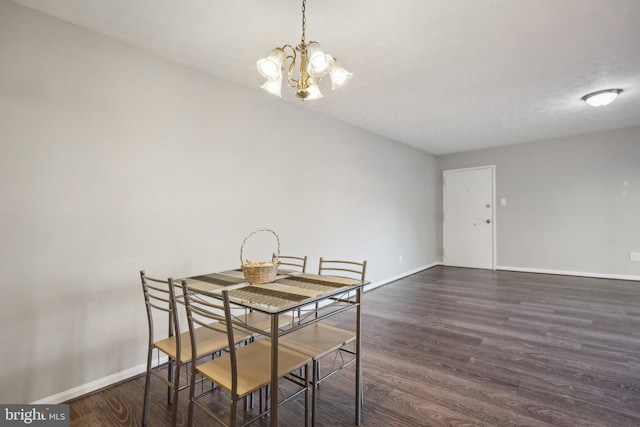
(325, 283)
(266, 296)
(303, 284)
(219, 279)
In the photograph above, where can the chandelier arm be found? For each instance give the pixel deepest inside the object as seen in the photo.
(290, 57)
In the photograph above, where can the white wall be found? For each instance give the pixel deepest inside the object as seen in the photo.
(114, 160)
(573, 204)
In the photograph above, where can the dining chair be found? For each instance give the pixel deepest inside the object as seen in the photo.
(297, 263)
(243, 370)
(319, 339)
(161, 305)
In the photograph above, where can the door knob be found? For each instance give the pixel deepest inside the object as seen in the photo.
(488, 221)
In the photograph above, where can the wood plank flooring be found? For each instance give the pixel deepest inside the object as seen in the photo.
(463, 347)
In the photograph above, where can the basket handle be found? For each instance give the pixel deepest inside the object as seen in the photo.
(257, 231)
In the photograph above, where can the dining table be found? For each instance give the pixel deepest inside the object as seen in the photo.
(308, 297)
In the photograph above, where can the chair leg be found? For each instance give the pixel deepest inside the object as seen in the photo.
(176, 389)
(263, 397)
(170, 379)
(306, 395)
(314, 393)
(232, 413)
(192, 393)
(147, 388)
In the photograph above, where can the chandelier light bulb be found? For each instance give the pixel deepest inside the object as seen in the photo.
(339, 76)
(601, 97)
(313, 92)
(274, 87)
(271, 66)
(319, 62)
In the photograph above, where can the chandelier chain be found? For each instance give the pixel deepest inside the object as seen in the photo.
(304, 21)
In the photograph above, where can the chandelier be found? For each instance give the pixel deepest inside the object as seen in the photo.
(313, 65)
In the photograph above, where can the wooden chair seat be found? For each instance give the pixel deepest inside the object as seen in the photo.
(254, 366)
(209, 341)
(318, 340)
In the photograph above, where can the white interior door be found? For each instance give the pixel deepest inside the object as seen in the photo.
(468, 217)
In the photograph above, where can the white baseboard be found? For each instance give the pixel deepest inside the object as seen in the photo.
(569, 273)
(92, 386)
(374, 285)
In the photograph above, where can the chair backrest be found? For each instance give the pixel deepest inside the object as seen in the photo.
(204, 311)
(349, 269)
(297, 262)
(159, 297)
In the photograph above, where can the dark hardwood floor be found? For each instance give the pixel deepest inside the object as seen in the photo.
(463, 347)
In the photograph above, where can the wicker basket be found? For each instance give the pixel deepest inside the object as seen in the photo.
(264, 272)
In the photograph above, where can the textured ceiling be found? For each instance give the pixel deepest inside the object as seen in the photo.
(444, 76)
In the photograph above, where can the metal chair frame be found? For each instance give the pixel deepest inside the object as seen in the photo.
(201, 311)
(297, 262)
(325, 340)
(160, 297)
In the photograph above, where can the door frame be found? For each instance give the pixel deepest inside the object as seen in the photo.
(494, 243)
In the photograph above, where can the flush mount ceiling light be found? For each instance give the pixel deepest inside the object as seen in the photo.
(313, 64)
(601, 97)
